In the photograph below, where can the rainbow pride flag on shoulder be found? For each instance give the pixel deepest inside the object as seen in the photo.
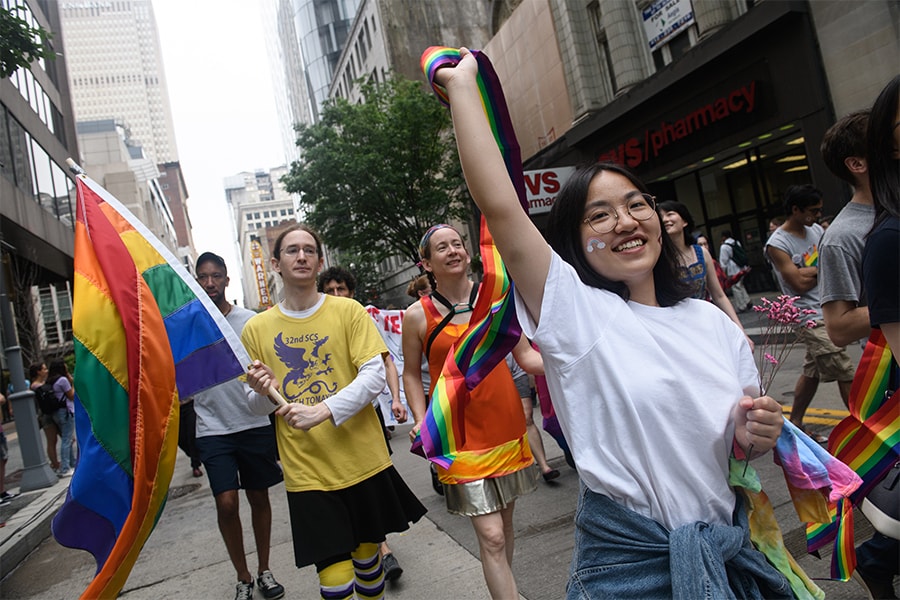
(145, 334)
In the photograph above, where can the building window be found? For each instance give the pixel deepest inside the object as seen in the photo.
(674, 48)
(602, 45)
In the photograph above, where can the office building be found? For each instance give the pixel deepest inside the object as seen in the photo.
(719, 105)
(116, 71)
(37, 192)
(260, 208)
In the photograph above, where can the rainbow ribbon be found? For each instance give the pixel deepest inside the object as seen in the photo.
(868, 441)
(493, 328)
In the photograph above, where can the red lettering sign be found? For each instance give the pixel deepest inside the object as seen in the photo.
(632, 153)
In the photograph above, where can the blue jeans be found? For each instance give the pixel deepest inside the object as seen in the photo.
(66, 423)
(622, 554)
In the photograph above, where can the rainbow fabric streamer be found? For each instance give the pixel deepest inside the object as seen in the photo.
(144, 333)
(493, 328)
(815, 480)
(868, 440)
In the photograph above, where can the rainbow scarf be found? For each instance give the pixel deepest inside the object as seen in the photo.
(815, 480)
(145, 333)
(493, 327)
(868, 441)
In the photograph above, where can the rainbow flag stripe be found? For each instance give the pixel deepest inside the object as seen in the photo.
(868, 441)
(811, 259)
(493, 329)
(145, 333)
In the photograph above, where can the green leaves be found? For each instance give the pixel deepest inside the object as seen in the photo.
(375, 175)
(20, 43)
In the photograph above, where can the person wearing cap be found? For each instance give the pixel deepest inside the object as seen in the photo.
(238, 449)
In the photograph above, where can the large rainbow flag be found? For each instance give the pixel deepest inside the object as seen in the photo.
(493, 328)
(145, 333)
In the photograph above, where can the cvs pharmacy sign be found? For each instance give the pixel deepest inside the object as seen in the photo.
(541, 188)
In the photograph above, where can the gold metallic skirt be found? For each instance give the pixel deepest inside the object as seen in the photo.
(486, 496)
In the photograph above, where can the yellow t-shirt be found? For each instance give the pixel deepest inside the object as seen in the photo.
(313, 358)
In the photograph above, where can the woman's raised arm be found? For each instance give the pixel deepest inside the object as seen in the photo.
(524, 251)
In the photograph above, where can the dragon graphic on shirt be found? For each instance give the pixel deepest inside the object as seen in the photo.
(307, 365)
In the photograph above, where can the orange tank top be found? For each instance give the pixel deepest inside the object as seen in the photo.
(494, 417)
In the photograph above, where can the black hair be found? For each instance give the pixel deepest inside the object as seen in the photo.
(339, 274)
(276, 251)
(883, 162)
(57, 369)
(563, 235)
(213, 258)
(34, 369)
(801, 196)
(684, 213)
(844, 139)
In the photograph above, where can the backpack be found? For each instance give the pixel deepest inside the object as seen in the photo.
(738, 254)
(47, 400)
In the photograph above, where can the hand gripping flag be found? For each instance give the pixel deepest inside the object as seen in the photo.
(493, 328)
(145, 333)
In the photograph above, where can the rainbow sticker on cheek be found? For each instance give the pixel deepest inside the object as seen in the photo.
(595, 243)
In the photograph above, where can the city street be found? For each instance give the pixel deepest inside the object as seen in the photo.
(185, 556)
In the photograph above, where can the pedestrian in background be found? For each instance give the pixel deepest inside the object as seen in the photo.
(793, 250)
(187, 434)
(59, 378)
(5, 496)
(841, 292)
(238, 449)
(37, 375)
(694, 261)
(726, 258)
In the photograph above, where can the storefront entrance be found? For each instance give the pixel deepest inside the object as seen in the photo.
(740, 190)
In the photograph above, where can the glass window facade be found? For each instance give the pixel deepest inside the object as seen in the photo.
(739, 190)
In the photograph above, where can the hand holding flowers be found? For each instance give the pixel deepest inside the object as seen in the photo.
(758, 421)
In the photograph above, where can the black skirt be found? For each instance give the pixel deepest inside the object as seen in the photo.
(328, 526)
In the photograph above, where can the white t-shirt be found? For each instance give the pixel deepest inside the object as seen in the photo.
(223, 409)
(644, 395)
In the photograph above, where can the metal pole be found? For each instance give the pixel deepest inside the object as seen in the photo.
(36, 473)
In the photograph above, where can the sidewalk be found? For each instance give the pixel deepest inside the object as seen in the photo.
(185, 556)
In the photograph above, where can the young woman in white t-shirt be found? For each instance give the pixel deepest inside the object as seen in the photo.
(652, 389)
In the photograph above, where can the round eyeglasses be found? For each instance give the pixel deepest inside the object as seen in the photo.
(603, 219)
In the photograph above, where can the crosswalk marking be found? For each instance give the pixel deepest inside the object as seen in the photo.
(820, 416)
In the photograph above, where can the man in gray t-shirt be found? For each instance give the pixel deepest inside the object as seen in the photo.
(844, 306)
(793, 250)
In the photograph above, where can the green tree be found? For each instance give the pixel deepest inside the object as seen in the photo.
(20, 43)
(374, 176)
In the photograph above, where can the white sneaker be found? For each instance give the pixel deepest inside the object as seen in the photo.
(64, 474)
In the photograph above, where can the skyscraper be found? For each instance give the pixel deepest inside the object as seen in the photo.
(116, 71)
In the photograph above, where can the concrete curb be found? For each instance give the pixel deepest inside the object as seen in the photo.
(28, 527)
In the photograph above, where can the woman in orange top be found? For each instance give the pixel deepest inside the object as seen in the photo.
(494, 464)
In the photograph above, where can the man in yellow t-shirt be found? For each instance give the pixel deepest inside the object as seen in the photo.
(326, 357)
